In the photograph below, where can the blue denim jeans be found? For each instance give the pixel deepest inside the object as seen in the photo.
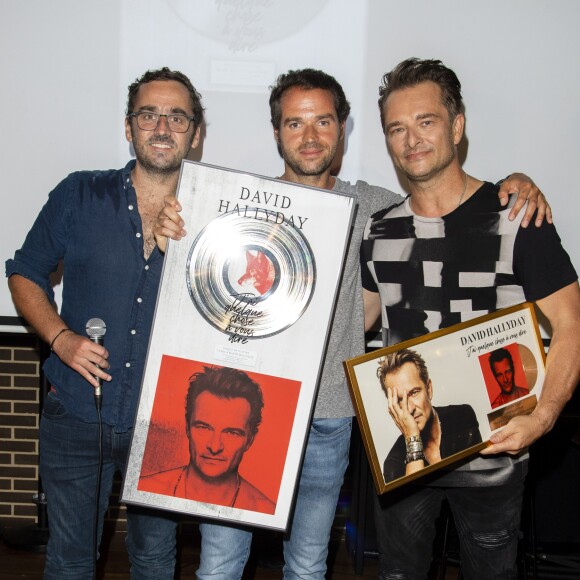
(69, 456)
(225, 549)
(487, 521)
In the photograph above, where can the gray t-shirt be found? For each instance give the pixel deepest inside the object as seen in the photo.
(347, 331)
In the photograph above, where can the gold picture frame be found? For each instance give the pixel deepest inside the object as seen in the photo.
(469, 393)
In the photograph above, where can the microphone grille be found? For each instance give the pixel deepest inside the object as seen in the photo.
(96, 328)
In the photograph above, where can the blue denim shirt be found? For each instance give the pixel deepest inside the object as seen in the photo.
(91, 222)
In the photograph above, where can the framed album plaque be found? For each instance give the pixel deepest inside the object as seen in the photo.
(239, 335)
(427, 403)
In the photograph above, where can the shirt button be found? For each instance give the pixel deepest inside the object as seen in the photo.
(138, 235)
(139, 300)
(130, 208)
(133, 331)
(127, 365)
(146, 267)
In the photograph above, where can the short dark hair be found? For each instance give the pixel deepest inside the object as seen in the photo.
(226, 383)
(166, 74)
(308, 79)
(499, 355)
(395, 360)
(414, 71)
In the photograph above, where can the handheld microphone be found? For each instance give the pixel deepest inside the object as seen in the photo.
(96, 329)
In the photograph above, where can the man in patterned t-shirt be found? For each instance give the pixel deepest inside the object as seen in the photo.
(308, 112)
(448, 253)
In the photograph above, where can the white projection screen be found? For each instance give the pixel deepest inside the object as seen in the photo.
(66, 65)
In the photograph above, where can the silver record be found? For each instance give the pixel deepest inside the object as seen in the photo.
(250, 278)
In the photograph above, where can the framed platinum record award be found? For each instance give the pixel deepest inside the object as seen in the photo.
(238, 339)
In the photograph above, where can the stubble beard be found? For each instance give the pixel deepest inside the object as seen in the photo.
(423, 177)
(162, 168)
(300, 168)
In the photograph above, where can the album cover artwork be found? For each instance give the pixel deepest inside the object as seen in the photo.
(239, 334)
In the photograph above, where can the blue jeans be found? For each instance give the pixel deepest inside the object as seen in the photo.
(69, 456)
(487, 521)
(225, 549)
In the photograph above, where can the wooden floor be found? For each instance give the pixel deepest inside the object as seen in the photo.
(265, 561)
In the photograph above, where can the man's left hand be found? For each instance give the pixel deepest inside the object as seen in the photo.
(169, 223)
(518, 434)
(526, 190)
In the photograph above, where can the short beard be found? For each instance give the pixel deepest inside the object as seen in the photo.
(413, 178)
(169, 170)
(315, 171)
(155, 170)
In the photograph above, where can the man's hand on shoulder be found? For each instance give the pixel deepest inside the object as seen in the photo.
(527, 191)
(169, 223)
(83, 356)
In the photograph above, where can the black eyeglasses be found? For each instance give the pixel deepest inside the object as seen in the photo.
(148, 121)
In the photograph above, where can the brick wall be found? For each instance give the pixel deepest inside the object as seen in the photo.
(19, 389)
(19, 417)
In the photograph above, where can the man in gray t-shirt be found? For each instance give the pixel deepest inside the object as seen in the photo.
(308, 112)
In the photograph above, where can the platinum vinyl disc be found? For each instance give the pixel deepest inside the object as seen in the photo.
(250, 278)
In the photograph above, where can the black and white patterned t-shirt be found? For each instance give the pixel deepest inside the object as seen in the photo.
(432, 273)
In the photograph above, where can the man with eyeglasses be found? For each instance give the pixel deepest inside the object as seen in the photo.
(99, 223)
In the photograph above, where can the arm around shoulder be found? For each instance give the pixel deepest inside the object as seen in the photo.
(526, 191)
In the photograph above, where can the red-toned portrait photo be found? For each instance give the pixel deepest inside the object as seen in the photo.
(218, 435)
(506, 379)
